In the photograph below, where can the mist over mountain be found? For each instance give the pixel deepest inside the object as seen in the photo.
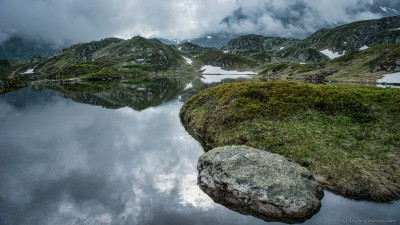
(293, 19)
(210, 23)
(25, 48)
(298, 19)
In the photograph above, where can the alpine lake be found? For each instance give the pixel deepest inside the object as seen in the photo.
(117, 153)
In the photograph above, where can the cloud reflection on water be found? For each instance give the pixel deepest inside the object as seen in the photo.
(64, 162)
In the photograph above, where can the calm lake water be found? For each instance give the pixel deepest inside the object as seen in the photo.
(63, 161)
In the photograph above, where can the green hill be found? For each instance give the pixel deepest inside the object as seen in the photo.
(355, 35)
(364, 66)
(256, 43)
(106, 59)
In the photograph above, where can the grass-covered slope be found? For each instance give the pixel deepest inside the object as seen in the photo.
(191, 49)
(225, 60)
(271, 50)
(347, 137)
(106, 59)
(355, 66)
(255, 43)
(354, 35)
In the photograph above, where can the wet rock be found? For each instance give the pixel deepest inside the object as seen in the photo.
(259, 183)
(376, 69)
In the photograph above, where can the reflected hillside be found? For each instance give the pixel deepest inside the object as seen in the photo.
(138, 94)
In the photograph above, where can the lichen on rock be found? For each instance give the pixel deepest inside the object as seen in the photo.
(259, 183)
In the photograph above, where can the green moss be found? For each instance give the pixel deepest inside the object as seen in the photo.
(345, 135)
(227, 61)
(145, 67)
(276, 68)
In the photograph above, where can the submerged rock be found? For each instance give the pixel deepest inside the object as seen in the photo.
(259, 183)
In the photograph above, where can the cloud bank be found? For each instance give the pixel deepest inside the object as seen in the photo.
(76, 21)
(299, 18)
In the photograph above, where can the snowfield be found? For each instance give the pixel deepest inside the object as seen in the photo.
(213, 74)
(393, 78)
(214, 70)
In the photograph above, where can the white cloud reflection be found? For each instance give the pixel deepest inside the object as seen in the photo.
(69, 163)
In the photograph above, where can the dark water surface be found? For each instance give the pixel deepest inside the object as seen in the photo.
(63, 162)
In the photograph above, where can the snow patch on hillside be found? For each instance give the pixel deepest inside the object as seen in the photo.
(188, 86)
(393, 78)
(331, 54)
(188, 61)
(364, 47)
(30, 71)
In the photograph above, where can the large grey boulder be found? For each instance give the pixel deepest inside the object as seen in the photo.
(259, 183)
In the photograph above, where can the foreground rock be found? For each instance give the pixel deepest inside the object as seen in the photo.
(259, 183)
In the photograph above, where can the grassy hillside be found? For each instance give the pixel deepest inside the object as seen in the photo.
(353, 36)
(355, 66)
(346, 136)
(256, 43)
(225, 60)
(110, 58)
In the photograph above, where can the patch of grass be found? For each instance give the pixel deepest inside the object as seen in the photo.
(346, 136)
(226, 61)
(276, 68)
(145, 67)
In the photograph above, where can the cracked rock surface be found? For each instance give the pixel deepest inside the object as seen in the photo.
(259, 183)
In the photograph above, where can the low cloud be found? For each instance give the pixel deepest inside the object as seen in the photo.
(69, 21)
(289, 18)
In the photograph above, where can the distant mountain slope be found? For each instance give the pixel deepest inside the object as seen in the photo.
(253, 42)
(299, 19)
(192, 49)
(385, 7)
(356, 35)
(271, 50)
(364, 66)
(105, 59)
(17, 47)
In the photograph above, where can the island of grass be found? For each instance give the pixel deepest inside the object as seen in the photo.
(348, 137)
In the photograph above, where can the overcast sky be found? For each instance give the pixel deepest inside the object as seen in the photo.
(86, 20)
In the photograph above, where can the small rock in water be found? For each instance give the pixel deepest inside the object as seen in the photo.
(259, 183)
